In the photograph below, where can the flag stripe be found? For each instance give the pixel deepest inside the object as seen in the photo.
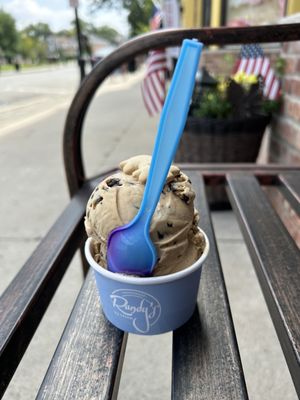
(158, 86)
(156, 56)
(275, 90)
(157, 90)
(152, 95)
(156, 67)
(253, 61)
(154, 82)
(257, 69)
(268, 81)
(149, 99)
(250, 66)
(148, 106)
(242, 65)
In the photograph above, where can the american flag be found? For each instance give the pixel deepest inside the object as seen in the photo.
(253, 61)
(154, 82)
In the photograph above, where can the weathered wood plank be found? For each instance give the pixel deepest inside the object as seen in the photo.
(26, 299)
(277, 262)
(206, 361)
(290, 186)
(90, 353)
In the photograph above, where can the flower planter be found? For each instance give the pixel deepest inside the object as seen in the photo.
(208, 140)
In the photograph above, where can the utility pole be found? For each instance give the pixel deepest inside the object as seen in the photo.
(81, 61)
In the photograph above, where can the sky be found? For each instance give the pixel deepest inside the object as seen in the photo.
(58, 14)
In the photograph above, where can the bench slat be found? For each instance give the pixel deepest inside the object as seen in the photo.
(291, 188)
(206, 361)
(25, 300)
(277, 262)
(89, 357)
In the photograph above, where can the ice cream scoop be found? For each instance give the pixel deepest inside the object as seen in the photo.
(174, 226)
(130, 249)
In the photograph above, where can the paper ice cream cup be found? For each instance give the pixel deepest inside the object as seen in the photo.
(148, 306)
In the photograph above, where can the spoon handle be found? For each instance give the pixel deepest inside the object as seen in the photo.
(171, 125)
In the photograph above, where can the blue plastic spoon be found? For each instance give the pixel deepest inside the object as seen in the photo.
(130, 249)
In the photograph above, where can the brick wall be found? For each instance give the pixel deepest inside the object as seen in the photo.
(222, 61)
(285, 135)
(284, 146)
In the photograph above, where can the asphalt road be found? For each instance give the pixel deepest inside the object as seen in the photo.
(33, 190)
(33, 110)
(29, 96)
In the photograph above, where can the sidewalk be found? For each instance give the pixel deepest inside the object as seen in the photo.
(32, 70)
(116, 128)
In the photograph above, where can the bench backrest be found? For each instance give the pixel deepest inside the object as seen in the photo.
(73, 157)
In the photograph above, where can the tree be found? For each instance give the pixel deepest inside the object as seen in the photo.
(106, 32)
(139, 12)
(33, 49)
(38, 31)
(8, 35)
(33, 44)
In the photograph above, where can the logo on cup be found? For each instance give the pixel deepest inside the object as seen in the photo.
(142, 308)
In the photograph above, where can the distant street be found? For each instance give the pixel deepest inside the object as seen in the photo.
(33, 189)
(28, 96)
(33, 110)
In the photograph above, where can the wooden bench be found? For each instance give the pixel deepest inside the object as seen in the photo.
(88, 360)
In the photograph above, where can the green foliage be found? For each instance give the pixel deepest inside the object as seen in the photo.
(32, 49)
(245, 99)
(39, 31)
(8, 35)
(280, 64)
(139, 15)
(106, 32)
(238, 97)
(271, 106)
(32, 45)
(212, 106)
(139, 12)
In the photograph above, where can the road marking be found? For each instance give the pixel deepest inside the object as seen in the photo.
(21, 105)
(33, 119)
(107, 87)
(38, 91)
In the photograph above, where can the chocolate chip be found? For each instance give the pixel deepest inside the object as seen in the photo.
(185, 198)
(175, 242)
(160, 235)
(113, 182)
(170, 225)
(97, 201)
(189, 181)
(96, 189)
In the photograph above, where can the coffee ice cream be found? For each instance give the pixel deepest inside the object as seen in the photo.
(174, 226)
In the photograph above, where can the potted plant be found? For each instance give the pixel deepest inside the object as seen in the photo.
(226, 121)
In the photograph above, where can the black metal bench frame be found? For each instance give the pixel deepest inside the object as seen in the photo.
(198, 356)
